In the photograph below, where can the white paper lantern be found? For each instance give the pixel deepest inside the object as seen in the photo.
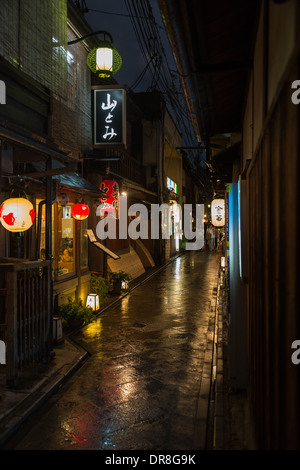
(218, 212)
(17, 214)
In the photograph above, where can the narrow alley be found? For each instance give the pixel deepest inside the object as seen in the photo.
(140, 389)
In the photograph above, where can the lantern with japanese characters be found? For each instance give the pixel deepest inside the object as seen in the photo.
(80, 211)
(17, 214)
(218, 212)
(110, 202)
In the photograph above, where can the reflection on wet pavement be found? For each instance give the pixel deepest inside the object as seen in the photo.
(140, 388)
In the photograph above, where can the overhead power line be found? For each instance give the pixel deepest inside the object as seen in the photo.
(164, 79)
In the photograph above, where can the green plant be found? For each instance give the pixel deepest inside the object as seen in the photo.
(116, 280)
(76, 310)
(99, 286)
(120, 276)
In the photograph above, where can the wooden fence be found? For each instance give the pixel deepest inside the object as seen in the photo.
(25, 292)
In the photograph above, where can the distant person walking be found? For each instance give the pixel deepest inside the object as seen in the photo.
(210, 237)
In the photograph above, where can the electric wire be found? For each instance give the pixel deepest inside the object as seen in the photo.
(158, 73)
(163, 72)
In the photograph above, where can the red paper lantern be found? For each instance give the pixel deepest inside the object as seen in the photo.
(80, 211)
(17, 214)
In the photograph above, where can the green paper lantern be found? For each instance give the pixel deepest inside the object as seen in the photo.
(104, 60)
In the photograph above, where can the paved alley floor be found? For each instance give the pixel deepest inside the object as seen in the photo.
(145, 385)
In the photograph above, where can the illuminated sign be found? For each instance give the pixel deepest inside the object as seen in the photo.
(109, 116)
(218, 212)
(110, 203)
(171, 185)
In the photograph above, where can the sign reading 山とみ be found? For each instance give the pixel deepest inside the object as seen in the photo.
(109, 116)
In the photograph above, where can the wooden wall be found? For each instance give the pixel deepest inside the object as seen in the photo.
(274, 265)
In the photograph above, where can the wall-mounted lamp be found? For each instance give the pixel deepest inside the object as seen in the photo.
(103, 59)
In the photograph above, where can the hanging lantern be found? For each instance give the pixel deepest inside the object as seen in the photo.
(80, 211)
(218, 212)
(63, 199)
(104, 60)
(17, 214)
(110, 203)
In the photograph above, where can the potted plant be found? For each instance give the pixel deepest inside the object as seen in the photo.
(117, 278)
(99, 286)
(75, 313)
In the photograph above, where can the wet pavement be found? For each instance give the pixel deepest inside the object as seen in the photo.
(145, 385)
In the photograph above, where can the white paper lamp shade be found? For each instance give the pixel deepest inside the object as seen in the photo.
(104, 59)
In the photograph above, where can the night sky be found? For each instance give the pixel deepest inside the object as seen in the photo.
(114, 17)
(147, 62)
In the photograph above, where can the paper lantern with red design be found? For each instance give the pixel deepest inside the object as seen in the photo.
(17, 214)
(110, 203)
(80, 211)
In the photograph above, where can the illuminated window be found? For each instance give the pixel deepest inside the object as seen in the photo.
(66, 242)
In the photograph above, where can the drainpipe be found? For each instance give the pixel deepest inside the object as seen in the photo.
(38, 239)
(49, 250)
(39, 224)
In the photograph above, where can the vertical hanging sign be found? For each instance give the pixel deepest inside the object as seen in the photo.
(109, 116)
(110, 203)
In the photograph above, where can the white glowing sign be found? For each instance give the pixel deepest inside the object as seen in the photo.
(109, 116)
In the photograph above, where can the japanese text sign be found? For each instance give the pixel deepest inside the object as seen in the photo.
(111, 202)
(109, 116)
